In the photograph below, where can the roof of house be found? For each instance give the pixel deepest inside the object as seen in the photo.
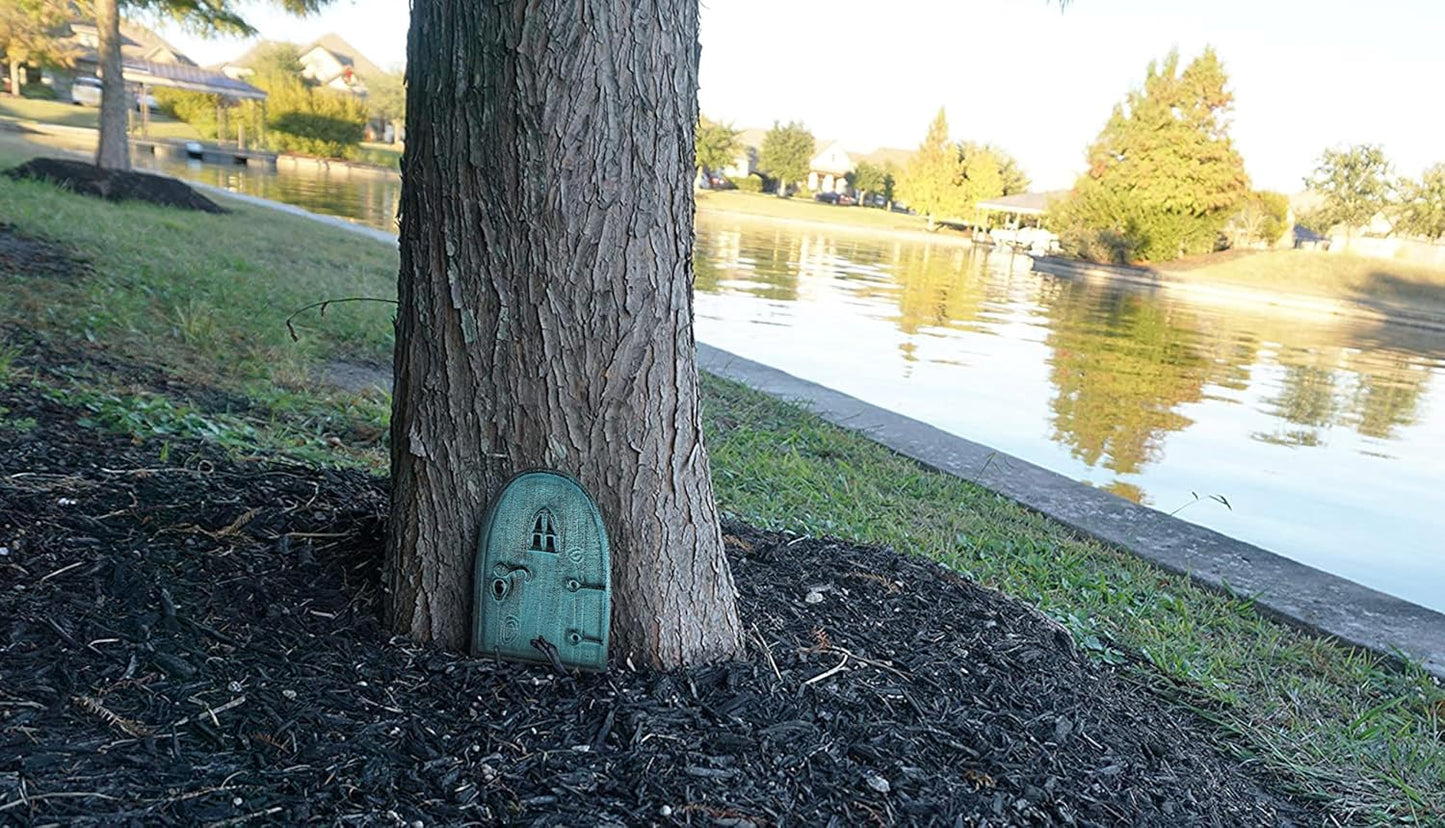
(884, 156)
(344, 53)
(189, 77)
(136, 43)
(751, 137)
(1024, 203)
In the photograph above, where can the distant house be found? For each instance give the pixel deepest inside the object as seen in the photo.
(137, 45)
(328, 61)
(148, 62)
(749, 144)
(829, 168)
(334, 63)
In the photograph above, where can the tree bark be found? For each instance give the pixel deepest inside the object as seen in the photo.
(545, 316)
(113, 152)
(14, 77)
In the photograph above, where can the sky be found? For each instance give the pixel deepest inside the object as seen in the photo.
(1306, 74)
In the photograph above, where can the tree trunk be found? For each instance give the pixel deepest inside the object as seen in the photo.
(545, 316)
(15, 77)
(113, 153)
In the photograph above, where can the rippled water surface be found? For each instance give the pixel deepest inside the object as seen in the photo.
(1325, 436)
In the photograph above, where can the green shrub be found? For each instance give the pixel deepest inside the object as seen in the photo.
(38, 92)
(749, 184)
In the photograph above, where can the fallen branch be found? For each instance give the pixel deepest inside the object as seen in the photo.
(324, 305)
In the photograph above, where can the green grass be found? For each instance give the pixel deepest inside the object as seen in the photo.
(66, 114)
(382, 155)
(1384, 282)
(802, 208)
(203, 299)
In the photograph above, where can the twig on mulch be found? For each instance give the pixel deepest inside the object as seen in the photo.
(127, 726)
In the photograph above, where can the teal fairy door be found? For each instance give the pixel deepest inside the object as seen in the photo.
(543, 572)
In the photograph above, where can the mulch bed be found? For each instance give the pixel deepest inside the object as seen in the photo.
(112, 185)
(189, 639)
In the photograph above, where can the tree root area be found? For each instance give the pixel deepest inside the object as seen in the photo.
(114, 185)
(191, 639)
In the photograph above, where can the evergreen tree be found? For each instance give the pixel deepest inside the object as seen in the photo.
(1164, 175)
(983, 175)
(932, 181)
(786, 154)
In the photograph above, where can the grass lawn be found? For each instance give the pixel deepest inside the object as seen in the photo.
(1315, 273)
(382, 155)
(203, 299)
(65, 114)
(802, 208)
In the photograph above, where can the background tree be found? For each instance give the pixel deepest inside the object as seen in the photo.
(890, 181)
(1015, 180)
(931, 181)
(1355, 185)
(536, 330)
(717, 145)
(786, 154)
(867, 178)
(1263, 218)
(386, 99)
(1164, 175)
(33, 31)
(212, 17)
(982, 175)
(1422, 205)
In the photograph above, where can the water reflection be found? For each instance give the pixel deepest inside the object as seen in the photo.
(366, 196)
(1323, 434)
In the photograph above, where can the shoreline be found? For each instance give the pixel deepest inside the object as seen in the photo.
(1225, 294)
(922, 236)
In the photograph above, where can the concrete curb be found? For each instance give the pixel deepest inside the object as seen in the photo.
(1300, 595)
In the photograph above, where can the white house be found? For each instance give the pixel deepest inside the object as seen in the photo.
(828, 170)
(329, 61)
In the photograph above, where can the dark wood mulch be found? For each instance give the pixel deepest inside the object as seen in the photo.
(187, 639)
(112, 185)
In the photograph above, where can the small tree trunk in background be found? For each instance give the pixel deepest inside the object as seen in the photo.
(113, 152)
(545, 316)
(15, 77)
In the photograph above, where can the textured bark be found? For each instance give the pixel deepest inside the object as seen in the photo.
(545, 314)
(113, 153)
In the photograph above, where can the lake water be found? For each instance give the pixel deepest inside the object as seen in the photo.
(1326, 437)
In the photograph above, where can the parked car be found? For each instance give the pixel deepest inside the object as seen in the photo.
(875, 200)
(826, 198)
(85, 92)
(845, 200)
(150, 103)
